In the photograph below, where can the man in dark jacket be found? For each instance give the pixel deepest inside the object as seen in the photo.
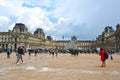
(8, 53)
(20, 53)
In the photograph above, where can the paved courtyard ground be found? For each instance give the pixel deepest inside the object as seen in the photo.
(62, 67)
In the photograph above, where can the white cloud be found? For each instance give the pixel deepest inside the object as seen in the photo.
(3, 21)
(74, 17)
(34, 18)
(61, 20)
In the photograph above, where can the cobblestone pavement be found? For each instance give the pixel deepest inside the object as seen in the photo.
(61, 67)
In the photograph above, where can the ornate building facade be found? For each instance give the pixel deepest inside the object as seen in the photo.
(20, 36)
(85, 44)
(110, 38)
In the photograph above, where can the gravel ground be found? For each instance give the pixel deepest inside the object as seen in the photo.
(61, 67)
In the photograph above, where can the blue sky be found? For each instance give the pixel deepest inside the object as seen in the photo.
(85, 19)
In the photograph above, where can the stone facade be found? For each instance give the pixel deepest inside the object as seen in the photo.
(81, 44)
(117, 35)
(20, 36)
(109, 39)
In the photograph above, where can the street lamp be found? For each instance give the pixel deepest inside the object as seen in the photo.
(63, 41)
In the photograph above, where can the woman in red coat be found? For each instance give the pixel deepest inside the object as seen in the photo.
(102, 52)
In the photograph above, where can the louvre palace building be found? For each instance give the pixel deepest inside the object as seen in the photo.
(19, 36)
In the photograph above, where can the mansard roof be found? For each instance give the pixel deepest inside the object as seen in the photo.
(109, 29)
(39, 31)
(20, 25)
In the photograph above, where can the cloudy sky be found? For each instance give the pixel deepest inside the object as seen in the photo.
(85, 19)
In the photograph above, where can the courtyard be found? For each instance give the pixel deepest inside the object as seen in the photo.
(61, 67)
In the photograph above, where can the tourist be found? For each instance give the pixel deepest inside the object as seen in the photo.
(111, 54)
(8, 53)
(56, 51)
(76, 52)
(20, 53)
(52, 51)
(17, 56)
(36, 52)
(102, 52)
(29, 52)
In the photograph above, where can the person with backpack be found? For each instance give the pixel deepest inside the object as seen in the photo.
(8, 53)
(20, 53)
(102, 56)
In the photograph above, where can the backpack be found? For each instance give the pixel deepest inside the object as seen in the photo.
(8, 51)
(106, 55)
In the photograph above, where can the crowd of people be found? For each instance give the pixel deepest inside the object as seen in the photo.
(20, 51)
(54, 52)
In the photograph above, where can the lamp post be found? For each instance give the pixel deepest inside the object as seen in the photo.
(63, 41)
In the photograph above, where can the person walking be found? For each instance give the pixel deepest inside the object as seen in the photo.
(35, 51)
(56, 51)
(20, 53)
(102, 53)
(8, 53)
(17, 56)
(29, 52)
(111, 54)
